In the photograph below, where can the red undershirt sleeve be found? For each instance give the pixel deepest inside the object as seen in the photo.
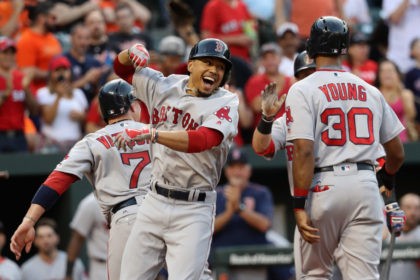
(125, 72)
(269, 152)
(203, 139)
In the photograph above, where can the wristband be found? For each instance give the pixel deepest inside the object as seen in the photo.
(265, 124)
(299, 202)
(154, 135)
(69, 268)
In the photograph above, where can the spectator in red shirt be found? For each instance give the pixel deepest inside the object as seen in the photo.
(270, 57)
(94, 120)
(231, 22)
(15, 97)
(358, 61)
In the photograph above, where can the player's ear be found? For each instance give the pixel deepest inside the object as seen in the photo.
(190, 65)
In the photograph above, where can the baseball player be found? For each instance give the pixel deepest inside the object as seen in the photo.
(194, 122)
(89, 224)
(337, 122)
(268, 142)
(119, 179)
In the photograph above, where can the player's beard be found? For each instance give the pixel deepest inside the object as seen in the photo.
(198, 93)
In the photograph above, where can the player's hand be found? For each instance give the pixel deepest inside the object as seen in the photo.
(138, 55)
(385, 179)
(22, 238)
(122, 140)
(270, 102)
(308, 233)
(395, 218)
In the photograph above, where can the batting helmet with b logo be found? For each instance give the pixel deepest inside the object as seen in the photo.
(115, 98)
(213, 48)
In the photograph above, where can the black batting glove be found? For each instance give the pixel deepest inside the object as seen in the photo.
(385, 179)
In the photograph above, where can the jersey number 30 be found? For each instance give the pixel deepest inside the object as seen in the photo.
(144, 160)
(348, 126)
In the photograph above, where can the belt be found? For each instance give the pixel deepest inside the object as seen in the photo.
(179, 195)
(123, 204)
(360, 166)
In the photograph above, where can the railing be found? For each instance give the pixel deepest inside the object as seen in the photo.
(261, 256)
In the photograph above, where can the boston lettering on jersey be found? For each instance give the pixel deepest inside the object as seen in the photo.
(187, 122)
(343, 91)
(107, 141)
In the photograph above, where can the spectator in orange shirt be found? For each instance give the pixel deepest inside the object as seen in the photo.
(304, 12)
(37, 45)
(270, 56)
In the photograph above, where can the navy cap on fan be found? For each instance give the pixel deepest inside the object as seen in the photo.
(236, 155)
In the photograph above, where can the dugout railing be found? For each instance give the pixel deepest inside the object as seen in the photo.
(262, 256)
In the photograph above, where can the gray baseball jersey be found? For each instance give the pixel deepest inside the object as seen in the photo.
(349, 131)
(278, 135)
(168, 229)
(89, 222)
(171, 108)
(116, 176)
(348, 120)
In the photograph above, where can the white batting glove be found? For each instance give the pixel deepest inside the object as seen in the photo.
(270, 102)
(138, 55)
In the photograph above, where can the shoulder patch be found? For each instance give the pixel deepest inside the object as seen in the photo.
(223, 113)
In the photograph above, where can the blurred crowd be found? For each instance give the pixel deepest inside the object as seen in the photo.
(55, 56)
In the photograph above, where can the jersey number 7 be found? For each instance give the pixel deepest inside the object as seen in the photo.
(144, 158)
(348, 125)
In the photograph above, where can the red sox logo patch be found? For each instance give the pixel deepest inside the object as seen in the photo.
(219, 47)
(223, 114)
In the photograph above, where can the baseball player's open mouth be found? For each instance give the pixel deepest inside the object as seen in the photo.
(208, 81)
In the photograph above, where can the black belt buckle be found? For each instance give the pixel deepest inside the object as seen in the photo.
(169, 193)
